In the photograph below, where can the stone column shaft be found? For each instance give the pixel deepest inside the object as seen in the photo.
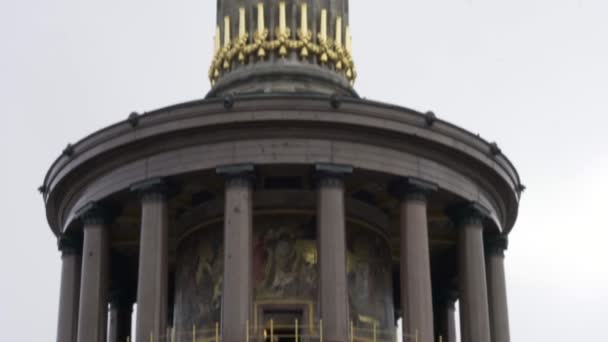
(416, 289)
(69, 297)
(152, 283)
(93, 308)
(120, 321)
(331, 235)
(497, 291)
(450, 335)
(238, 216)
(447, 321)
(474, 315)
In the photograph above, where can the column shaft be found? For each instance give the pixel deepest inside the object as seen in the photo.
(450, 335)
(497, 295)
(332, 255)
(416, 290)
(120, 322)
(237, 292)
(67, 327)
(152, 281)
(447, 321)
(474, 316)
(93, 308)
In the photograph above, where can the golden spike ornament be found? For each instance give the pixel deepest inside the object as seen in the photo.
(283, 32)
(226, 42)
(243, 36)
(323, 38)
(304, 34)
(262, 33)
(338, 44)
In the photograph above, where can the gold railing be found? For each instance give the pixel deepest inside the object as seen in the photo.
(310, 332)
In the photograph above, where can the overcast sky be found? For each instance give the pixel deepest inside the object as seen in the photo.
(529, 74)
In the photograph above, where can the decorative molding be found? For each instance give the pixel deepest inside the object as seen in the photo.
(430, 118)
(241, 48)
(133, 119)
(68, 151)
(494, 149)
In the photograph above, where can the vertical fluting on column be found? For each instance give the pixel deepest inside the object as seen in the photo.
(237, 284)
(474, 315)
(152, 281)
(331, 239)
(93, 306)
(121, 309)
(69, 295)
(497, 289)
(416, 289)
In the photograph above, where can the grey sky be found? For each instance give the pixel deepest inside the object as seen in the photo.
(530, 74)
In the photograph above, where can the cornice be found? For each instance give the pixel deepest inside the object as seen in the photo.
(375, 118)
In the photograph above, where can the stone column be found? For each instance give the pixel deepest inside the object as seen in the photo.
(93, 308)
(71, 264)
(152, 281)
(237, 291)
(474, 315)
(416, 290)
(447, 317)
(121, 310)
(331, 236)
(497, 289)
(450, 322)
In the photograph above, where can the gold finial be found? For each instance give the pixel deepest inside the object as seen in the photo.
(217, 40)
(226, 31)
(260, 35)
(323, 37)
(261, 26)
(242, 31)
(283, 32)
(323, 34)
(339, 64)
(349, 41)
(242, 39)
(304, 24)
(304, 33)
(339, 32)
(226, 39)
(282, 18)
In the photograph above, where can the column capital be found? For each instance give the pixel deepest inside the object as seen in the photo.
(410, 188)
(69, 244)
(237, 174)
(95, 213)
(468, 213)
(154, 188)
(328, 174)
(496, 244)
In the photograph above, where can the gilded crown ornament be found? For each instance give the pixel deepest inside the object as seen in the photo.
(243, 48)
